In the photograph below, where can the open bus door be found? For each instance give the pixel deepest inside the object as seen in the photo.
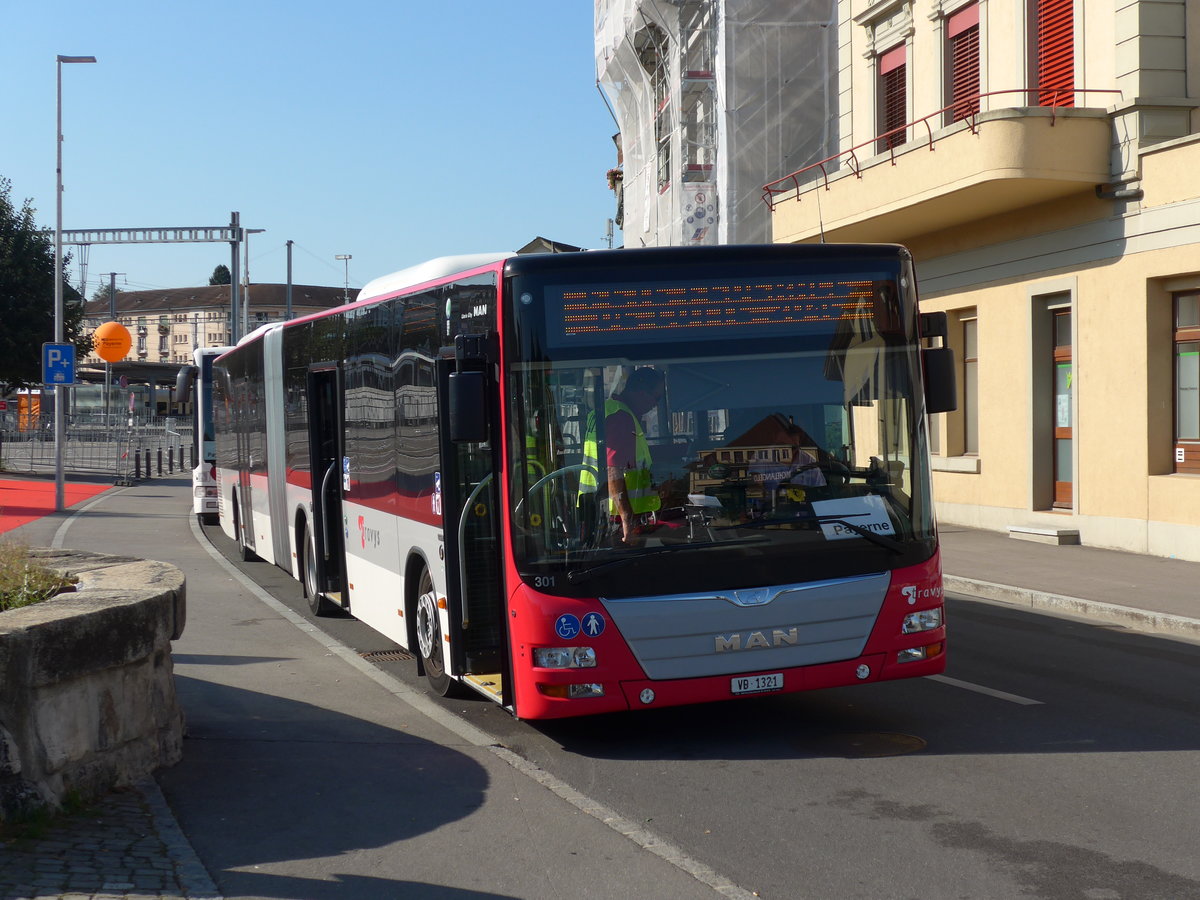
(324, 545)
(245, 437)
(471, 499)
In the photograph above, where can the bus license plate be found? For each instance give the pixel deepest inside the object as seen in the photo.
(757, 684)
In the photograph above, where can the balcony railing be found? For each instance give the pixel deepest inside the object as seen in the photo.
(794, 181)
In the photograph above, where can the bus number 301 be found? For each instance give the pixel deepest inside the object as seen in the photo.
(545, 581)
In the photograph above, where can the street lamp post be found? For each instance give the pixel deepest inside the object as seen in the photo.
(345, 258)
(60, 390)
(246, 232)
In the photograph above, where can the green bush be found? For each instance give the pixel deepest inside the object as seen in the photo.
(24, 581)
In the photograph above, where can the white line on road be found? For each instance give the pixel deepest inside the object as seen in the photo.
(60, 536)
(980, 689)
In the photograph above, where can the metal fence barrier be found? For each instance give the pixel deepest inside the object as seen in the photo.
(93, 447)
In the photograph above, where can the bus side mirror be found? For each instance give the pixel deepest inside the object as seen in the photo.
(183, 383)
(937, 365)
(468, 409)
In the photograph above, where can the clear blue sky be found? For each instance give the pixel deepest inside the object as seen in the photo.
(393, 131)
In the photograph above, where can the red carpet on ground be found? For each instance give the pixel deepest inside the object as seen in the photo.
(23, 501)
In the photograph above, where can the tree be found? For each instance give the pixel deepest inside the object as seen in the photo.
(221, 275)
(27, 295)
(101, 295)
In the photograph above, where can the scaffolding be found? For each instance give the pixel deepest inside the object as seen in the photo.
(713, 98)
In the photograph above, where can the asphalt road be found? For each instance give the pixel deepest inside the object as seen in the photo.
(1056, 759)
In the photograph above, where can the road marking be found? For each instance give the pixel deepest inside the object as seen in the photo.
(980, 689)
(60, 536)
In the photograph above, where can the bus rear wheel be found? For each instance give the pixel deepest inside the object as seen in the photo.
(318, 603)
(244, 551)
(429, 638)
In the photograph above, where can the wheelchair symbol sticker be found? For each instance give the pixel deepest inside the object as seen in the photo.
(566, 626)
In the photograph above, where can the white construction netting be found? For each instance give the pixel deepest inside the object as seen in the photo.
(715, 98)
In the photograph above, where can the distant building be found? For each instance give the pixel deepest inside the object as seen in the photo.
(166, 325)
(545, 245)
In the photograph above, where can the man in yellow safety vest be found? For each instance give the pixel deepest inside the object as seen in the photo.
(630, 493)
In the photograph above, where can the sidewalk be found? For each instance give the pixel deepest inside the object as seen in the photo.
(1146, 593)
(131, 846)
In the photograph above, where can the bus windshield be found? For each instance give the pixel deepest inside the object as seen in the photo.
(765, 430)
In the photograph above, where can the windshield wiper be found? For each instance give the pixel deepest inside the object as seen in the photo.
(578, 576)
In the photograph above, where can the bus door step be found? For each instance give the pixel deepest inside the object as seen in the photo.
(488, 685)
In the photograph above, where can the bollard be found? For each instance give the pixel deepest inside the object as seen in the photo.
(158, 455)
(170, 460)
(137, 464)
(148, 470)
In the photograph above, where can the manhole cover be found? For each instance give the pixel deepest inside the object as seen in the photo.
(386, 655)
(861, 745)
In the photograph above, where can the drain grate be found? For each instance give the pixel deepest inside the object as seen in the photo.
(386, 655)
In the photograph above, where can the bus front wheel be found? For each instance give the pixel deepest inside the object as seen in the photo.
(429, 638)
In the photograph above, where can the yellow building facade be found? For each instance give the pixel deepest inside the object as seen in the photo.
(1041, 160)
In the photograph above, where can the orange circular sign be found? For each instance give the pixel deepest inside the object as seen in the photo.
(112, 341)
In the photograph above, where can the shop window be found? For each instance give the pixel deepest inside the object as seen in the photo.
(1187, 382)
(970, 386)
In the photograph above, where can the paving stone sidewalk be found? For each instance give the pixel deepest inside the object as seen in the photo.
(126, 846)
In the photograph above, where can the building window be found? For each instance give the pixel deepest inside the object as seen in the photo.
(893, 98)
(962, 57)
(1187, 383)
(970, 391)
(1054, 57)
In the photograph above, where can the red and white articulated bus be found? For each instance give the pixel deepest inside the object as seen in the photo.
(426, 458)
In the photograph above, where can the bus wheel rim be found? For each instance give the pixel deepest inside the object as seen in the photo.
(427, 625)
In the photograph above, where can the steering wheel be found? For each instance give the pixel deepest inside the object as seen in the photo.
(836, 473)
(550, 476)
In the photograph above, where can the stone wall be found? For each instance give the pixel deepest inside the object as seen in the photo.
(87, 694)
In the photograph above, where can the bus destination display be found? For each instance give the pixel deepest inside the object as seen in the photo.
(666, 311)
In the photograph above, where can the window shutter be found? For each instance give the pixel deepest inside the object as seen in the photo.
(893, 96)
(963, 32)
(1056, 52)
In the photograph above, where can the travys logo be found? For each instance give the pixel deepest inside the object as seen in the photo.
(368, 535)
(912, 593)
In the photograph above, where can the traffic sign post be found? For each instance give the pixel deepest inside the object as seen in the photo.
(58, 364)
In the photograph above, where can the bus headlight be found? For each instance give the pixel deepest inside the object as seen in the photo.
(916, 654)
(925, 620)
(572, 691)
(564, 657)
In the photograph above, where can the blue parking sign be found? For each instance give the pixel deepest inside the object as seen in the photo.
(58, 364)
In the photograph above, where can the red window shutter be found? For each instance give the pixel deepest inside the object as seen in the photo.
(893, 96)
(964, 63)
(1056, 52)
